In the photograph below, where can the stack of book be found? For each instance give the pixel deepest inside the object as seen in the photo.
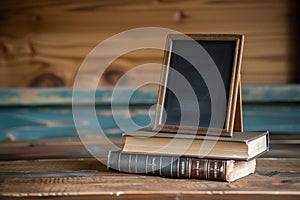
(189, 156)
(174, 146)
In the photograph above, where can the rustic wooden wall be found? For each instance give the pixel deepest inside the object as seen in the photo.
(42, 43)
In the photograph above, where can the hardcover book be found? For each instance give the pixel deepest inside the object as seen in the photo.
(241, 146)
(180, 167)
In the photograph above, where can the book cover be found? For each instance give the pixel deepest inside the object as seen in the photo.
(179, 167)
(242, 146)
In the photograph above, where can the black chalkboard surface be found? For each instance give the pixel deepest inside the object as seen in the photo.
(222, 52)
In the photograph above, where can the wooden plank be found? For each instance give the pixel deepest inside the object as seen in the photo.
(67, 171)
(280, 177)
(238, 117)
(50, 165)
(88, 178)
(41, 114)
(169, 197)
(23, 167)
(23, 123)
(277, 117)
(271, 93)
(50, 47)
(63, 96)
(281, 146)
(28, 123)
(294, 39)
(145, 95)
(51, 149)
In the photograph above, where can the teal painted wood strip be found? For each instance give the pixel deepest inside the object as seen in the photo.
(32, 123)
(271, 93)
(63, 96)
(276, 118)
(145, 95)
(47, 113)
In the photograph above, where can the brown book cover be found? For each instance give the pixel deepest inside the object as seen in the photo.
(180, 167)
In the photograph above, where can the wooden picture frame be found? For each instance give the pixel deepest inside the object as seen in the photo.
(233, 115)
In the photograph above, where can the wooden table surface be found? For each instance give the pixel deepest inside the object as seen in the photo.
(65, 170)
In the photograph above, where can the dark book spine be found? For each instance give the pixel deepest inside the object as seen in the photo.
(167, 166)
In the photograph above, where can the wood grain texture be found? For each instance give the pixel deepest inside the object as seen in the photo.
(238, 116)
(86, 177)
(281, 146)
(65, 170)
(42, 44)
(273, 93)
(32, 114)
(33, 123)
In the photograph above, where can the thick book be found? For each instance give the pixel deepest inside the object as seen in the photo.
(241, 146)
(180, 167)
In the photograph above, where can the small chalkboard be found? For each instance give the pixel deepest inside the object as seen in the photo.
(192, 64)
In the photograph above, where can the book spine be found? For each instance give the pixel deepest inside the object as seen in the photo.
(167, 166)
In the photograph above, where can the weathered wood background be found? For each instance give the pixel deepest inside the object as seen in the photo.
(43, 43)
(32, 114)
